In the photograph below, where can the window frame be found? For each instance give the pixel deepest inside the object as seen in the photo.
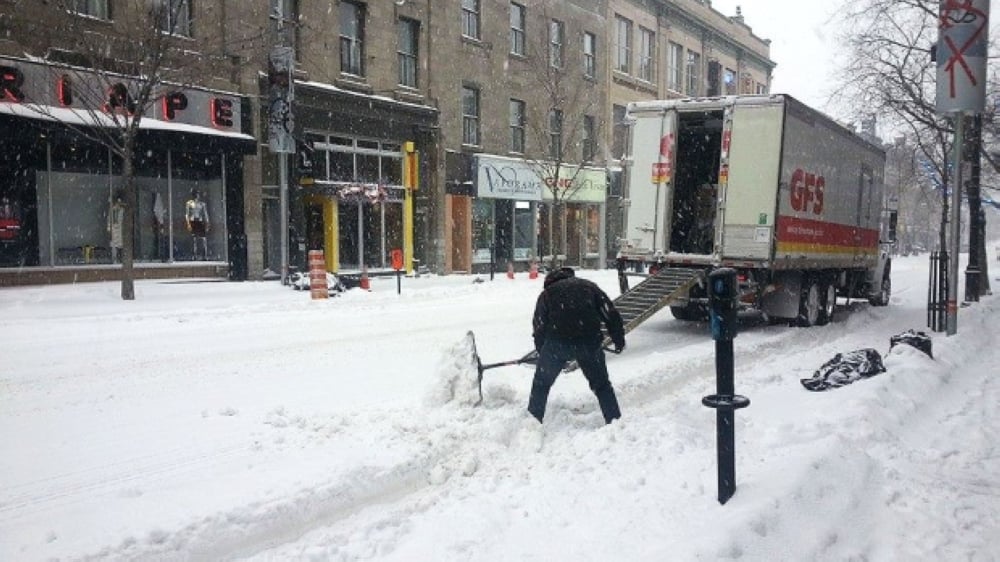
(675, 66)
(556, 118)
(589, 54)
(623, 47)
(518, 28)
(517, 109)
(182, 27)
(588, 142)
(647, 55)
(92, 9)
(408, 59)
(471, 24)
(557, 43)
(693, 67)
(352, 60)
(471, 115)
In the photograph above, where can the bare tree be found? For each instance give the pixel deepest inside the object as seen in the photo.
(112, 69)
(890, 72)
(562, 124)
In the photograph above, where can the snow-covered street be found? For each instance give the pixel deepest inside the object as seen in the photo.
(208, 421)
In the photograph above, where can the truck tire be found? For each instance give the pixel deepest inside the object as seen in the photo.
(885, 291)
(692, 312)
(829, 304)
(810, 304)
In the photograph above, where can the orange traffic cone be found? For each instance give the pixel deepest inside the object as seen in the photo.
(533, 272)
(363, 283)
(510, 270)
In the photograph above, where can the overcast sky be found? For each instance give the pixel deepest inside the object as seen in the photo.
(803, 43)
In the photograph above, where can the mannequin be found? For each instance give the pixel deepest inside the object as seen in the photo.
(116, 217)
(159, 227)
(196, 217)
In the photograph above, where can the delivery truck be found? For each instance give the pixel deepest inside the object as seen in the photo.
(763, 184)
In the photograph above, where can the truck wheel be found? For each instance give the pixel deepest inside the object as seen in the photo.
(885, 291)
(809, 305)
(829, 304)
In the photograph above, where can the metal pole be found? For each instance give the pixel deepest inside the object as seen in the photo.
(973, 267)
(283, 191)
(955, 230)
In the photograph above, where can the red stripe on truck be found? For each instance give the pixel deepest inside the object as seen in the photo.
(799, 234)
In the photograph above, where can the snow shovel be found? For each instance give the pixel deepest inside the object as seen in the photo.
(529, 357)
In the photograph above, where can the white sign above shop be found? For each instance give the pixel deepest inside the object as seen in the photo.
(498, 177)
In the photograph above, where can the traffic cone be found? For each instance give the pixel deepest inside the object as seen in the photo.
(510, 270)
(363, 283)
(533, 272)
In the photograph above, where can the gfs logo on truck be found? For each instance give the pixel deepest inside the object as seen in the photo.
(807, 191)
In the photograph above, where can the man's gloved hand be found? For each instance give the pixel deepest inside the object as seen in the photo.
(619, 346)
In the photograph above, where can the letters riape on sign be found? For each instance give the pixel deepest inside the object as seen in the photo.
(46, 86)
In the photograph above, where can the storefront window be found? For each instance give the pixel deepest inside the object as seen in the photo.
(593, 246)
(524, 222)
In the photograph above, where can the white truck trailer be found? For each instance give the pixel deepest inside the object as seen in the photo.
(762, 184)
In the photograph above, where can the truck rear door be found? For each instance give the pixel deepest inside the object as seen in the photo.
(750, 184)
(650, 179)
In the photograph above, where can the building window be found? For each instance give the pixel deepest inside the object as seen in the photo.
(285, 14)
(470, 18)
(647, 55)
(94, 8)
(589, 138)
(619, 131)
(517, 126)
(409, 36)
(174, 17)
(470, 115)
(557, 32)
(517, 21)
(623, 47)
(352, 36)
(555, 134)
(729, 80)
(693, 74)
(675, 66)
(589, 55)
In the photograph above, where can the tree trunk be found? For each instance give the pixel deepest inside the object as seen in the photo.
(128, 224)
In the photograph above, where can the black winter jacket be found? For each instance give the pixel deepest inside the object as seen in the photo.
(572, 310)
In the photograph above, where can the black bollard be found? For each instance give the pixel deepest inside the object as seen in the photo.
(723, 293)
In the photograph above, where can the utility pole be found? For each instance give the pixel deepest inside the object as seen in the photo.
(961, 50)
(973, 270)
(280, 123)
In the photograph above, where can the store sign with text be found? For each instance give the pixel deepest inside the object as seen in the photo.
(50, 89)
(510, 178)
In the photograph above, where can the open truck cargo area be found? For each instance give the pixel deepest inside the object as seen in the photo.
(763, 184)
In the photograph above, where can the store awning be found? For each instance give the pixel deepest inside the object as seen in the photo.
(93, 119)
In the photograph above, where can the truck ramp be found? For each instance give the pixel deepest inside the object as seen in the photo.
(655, 292)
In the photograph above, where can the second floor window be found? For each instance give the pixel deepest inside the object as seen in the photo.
(693, 87)
(729, 81)
(174, 16)
(555, 134)
(409, 34)
(517, 20)
(352, 36)
(470, 18)
(96, 8)
(470, 115)
(675, 66)
(589, 141)
(557, 31)
(516, 126)
(589, 55)
(623, 39)
(647, 55)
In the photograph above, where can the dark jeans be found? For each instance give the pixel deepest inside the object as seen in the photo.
(590, 358)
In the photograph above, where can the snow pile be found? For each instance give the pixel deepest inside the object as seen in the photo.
(456, 376)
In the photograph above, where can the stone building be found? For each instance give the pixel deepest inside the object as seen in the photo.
(469, 134)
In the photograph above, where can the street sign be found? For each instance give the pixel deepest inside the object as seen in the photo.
(963, 28)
